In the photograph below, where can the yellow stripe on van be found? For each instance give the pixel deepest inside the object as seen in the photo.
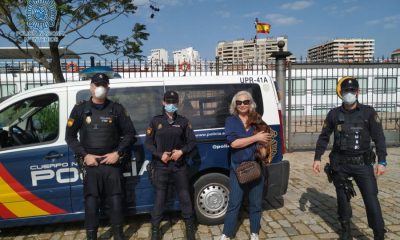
(16, 204)
(25, 209)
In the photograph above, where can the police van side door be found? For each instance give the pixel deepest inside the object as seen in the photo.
(142, 102)
(34, 175)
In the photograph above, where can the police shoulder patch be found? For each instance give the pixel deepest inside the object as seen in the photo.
(70, 122)
(325, 124)
(149, 131)
(190, 125)
(79, 103)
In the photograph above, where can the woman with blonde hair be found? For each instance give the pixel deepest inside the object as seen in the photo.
(242, 140)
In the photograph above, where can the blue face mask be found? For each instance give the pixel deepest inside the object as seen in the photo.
(171, 108)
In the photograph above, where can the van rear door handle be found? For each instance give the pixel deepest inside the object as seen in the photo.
(53, 155)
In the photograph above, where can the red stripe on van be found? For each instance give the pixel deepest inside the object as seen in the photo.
(5, 213)
(24, 193)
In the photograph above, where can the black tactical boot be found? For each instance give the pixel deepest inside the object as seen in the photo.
(379, 235)
(190, 229)
(346, 231)
(118, 232)
(155, 232)
(91, 234)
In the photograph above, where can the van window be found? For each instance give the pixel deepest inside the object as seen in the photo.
(31, 121)
(141, 103)
(207, 106)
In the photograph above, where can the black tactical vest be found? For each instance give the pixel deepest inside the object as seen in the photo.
(351, 133)
(99, 133)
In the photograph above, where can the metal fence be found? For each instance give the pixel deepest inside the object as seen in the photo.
(311, 94)
(17, 76)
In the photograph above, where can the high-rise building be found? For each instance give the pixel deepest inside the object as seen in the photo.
(254, 50)
(158, 56)
(188, 55)
(343, 50)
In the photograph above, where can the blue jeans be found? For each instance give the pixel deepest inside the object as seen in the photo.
(255, 191)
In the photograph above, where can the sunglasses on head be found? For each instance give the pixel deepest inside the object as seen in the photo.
(245, 102)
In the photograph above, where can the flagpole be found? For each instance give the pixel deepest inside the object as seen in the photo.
(255, 42)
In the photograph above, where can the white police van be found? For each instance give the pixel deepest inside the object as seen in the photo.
(40, 181)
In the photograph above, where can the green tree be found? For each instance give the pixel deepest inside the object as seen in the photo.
(71, 18)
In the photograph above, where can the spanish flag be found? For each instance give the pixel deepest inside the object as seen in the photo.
(262, 27)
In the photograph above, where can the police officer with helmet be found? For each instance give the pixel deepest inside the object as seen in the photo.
(106, 134)
(170, 138)
(354, 125)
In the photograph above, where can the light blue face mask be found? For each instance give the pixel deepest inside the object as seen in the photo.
(171, 108)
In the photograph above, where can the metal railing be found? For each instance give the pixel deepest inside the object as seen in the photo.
(312, 90)
(313, 93)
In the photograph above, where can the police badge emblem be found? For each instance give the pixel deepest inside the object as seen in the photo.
(88, 120)
(70, 122)
(159, 126)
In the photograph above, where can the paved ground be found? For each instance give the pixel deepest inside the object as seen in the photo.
(309, 212)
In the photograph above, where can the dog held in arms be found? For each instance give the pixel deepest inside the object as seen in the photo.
(263, 152)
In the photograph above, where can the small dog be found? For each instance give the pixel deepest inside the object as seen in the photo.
(263, 152)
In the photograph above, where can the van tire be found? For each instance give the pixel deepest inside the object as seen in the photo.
(211, 195)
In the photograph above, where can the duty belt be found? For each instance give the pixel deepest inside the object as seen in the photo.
(352, 160)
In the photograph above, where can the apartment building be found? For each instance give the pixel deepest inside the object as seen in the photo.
(254, 50)
(189, 55)
(343, 50)
(158, 56)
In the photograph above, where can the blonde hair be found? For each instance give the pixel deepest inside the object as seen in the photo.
(232, 107)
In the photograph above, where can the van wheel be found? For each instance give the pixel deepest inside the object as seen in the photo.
(211, 194)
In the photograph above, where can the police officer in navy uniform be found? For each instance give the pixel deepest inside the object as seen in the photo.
(354, 125)
(106, 135)
(170, 138)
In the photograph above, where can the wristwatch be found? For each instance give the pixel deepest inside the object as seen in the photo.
(383, 163)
